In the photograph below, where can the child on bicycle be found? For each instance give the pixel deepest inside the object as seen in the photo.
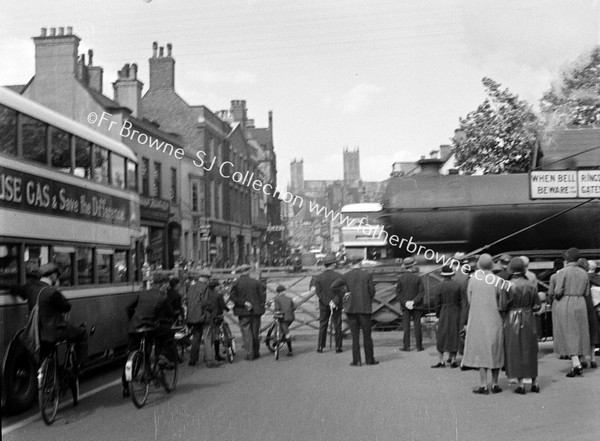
(285, 305)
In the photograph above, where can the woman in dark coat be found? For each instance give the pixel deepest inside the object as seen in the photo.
(449, 298)
(517, 304)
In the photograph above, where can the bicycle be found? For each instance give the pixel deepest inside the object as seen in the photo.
(225, 337)
(182, 337)
(275, 338)
(54, 379)
(142, 370)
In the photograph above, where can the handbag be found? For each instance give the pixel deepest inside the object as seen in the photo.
(30, 337)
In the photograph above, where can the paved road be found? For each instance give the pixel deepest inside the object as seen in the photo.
(320, 397)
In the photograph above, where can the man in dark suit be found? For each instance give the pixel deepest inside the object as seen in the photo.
(330, 303)
(53, 306)
(198, 318)
(358, 284)
(248, 296)
(410, 292)
(146, 310)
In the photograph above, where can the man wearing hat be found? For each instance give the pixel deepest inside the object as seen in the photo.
(199, 318)
(358, 284)
(248, 296)
(330, 303)
(52, 309)
(410, 292)
(570, 326)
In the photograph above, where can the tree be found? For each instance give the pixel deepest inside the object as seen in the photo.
(575, 97)
(499, 136)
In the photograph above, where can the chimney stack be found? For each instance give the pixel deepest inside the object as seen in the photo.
(162, 69)
(128, 89)
(56, 55)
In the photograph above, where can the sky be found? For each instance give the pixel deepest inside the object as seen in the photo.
(391, 77)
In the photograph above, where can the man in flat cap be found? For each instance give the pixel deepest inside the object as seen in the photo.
(199, 317)
(249, 296)
(53, 306)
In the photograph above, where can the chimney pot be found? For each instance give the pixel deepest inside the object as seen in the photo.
(44, 32)
(61, 31)
(69, 30)
(52, 32)
(133, 72)
(90, 57)
(161, 52)
(169, 48)
(154, 48)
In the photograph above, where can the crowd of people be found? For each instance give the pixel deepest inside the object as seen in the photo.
(492, 325)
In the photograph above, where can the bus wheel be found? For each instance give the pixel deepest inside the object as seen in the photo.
(20, 379)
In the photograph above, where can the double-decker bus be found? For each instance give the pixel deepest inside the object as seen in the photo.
(68, 195)
(360, 231)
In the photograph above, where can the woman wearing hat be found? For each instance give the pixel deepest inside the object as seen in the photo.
(517, 304)
(449, 298)
(484, 342)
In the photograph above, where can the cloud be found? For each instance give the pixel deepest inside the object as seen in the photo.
(17, 65)
(214, 77)
(359, 97)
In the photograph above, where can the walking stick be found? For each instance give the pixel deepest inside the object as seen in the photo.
(330, 327)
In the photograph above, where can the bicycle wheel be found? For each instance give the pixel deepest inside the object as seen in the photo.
(180, 351)
(48, 392)
(168, 375)
(139, 384)
(270, 338)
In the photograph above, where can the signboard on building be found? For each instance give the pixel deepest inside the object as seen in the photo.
(202, 229)
(564, 184)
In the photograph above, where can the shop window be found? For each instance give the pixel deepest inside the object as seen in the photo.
(195, 196)
(173, 185)
(60, 149)
(117, 170)
(33, 136)
(8, 131)
(84, 266)
(83, 158)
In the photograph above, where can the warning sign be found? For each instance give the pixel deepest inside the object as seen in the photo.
(565, 184)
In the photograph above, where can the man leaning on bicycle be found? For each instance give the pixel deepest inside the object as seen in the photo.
(146, 311)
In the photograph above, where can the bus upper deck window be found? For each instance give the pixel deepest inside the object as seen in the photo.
(83, 158)
(8, 131)
(9, 258)
(101, 165)
(60, 148)
(117, 170)
(33, 139)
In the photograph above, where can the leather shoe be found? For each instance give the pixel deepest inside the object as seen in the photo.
(576, 371)
(439, 365)
(355, 363)
(535, 388)
(338, 350)
(420, 349)
(249, 357)
(219, 358)
(593, 365)
(454, 365)
(481, 391)
(520, 390)
(192, 363)
(496, 389)
(126, 393)
(372, 363)
(256, 356)
(584, 364)
(405, 349)
(290, 354)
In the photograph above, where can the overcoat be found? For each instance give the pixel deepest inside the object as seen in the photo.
(325, 293)
(362, 290)
(247, 289)
(449, 300)
(484, 344)
(517, 304)
(570, 317)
